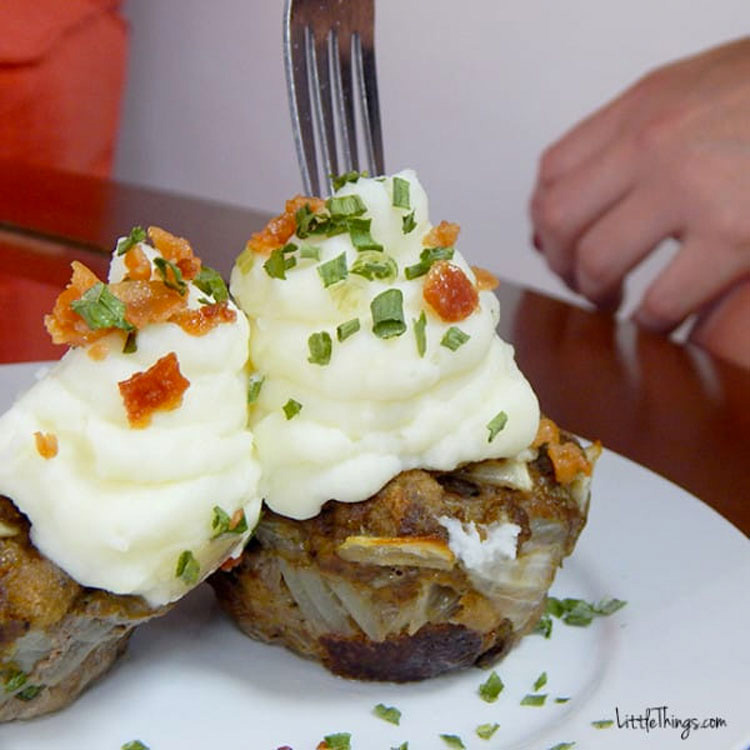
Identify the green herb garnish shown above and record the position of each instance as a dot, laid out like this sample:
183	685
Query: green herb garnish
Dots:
333	270
408	223
402	746
210	282
579	612
562	699
349	328
491	688
340	741
359	231
564	746
101	309
543	626
541	681
320	347
136	235
388	314
221	523
485	731
278	263
387	713
134	745
453	740
174	281
310	251
255	383
187	568
454	338
427	258
340	206
401	193
292	408
131	343
338	181
29	693
602	723
534	699
420	326
496	424
14	680
373	264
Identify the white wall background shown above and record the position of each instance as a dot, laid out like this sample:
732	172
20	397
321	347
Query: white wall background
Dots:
471	92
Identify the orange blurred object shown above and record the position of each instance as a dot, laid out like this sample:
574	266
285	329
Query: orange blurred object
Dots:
62	74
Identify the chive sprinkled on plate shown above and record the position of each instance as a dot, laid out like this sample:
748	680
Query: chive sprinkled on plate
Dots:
187	568
602	723
485	731
320	346
134	745
388	314
454	338
563	746
534	699
387	713
543	626
540	682
402	746
401	193
491	688
346	329
579	612
496	424
562	699
333	270
291	408
420	327
338	741
101	309
453	740
255	383
136	235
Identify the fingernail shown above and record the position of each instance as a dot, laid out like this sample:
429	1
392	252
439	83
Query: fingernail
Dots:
536	241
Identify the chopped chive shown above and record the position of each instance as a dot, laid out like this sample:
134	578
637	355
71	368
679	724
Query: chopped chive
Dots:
562	699
131	343
402	746
388	314
420	326
408	223
134	745
485	731
101	309
14	680
209	281
359	231
534	699
373	265
310	251
29	693
320	347
496	424
491	688
136	235
427	258
255	383
338	181
175	281
387	713
540	682
292	408
339	741
187	568
579	612
345	206
609	606
278	263
543	626
564	746
333	270
454	338
453	740
602	723
223	523
401	193
349	328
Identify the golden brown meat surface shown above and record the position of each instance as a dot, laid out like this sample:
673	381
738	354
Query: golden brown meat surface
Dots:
374	590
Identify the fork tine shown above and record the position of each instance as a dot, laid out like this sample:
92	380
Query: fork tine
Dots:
322	98
343	91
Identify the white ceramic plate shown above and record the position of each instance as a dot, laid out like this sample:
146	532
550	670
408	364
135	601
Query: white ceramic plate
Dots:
679	651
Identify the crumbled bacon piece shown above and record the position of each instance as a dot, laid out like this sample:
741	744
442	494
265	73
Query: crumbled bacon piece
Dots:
486	280
448	290
205	318
160	388
46	444
568	458
278	231
137	264
148	301
63	324
175	249
444	234
230	563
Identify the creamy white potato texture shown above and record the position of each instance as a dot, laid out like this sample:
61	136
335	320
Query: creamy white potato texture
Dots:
118	507
341	424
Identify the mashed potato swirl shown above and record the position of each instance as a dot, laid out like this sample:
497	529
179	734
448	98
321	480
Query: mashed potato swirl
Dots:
339	415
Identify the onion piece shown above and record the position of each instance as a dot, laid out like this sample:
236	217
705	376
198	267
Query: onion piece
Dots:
421	552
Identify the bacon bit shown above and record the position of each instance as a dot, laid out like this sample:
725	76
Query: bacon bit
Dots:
444	234
159	388
175	249
99	351
204	319
148	301
66	326
449	292
46	444
231	563
486	280
138	264
189	267
278	231
568	459
236	519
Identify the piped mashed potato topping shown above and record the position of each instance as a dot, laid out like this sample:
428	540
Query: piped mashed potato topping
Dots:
374	348
131	457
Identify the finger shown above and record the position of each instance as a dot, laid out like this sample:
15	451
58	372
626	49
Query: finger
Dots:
696	276
724	327
562	211
618	241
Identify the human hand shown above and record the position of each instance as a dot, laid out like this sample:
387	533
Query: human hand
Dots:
670	157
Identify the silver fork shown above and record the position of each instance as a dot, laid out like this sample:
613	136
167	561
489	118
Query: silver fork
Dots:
327	45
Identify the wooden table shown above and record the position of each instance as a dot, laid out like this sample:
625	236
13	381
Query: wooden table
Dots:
671	408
